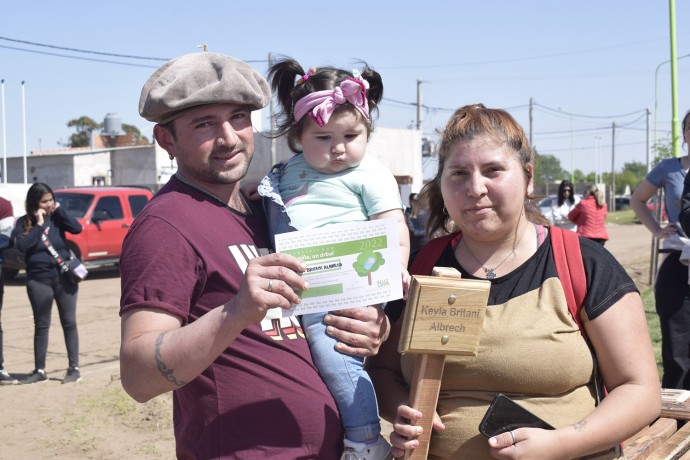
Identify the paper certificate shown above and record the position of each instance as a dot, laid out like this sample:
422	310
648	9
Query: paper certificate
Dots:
348	265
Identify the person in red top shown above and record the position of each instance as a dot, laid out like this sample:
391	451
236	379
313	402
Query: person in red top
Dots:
590	215
6	226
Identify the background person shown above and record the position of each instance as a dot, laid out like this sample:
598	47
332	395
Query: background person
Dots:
565	202
197	295
531	348
590	215
417	217
671	290
6	226
327	117
45	280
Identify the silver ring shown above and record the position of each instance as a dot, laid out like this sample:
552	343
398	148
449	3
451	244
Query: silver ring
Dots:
513	436
220	141
270	285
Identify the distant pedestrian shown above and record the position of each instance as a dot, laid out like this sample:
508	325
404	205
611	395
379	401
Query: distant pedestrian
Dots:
417	218
38	234
6	226
565	202
590	215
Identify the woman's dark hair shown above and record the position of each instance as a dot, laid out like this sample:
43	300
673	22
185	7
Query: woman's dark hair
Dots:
282	76
566	184
467	123
33	198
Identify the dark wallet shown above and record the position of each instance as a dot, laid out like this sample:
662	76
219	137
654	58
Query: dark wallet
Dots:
504	414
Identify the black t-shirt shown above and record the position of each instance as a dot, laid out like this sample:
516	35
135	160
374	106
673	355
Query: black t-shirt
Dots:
607	280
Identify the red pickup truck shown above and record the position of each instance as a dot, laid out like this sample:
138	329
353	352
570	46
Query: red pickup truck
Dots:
105	213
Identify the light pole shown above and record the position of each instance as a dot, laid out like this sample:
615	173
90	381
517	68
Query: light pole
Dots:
572	170
597	173
656	86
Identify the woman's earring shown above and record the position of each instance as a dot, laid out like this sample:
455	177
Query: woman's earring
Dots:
171	161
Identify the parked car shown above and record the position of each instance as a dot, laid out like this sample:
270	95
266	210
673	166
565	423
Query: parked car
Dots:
105	213
622	202
545	205
652	206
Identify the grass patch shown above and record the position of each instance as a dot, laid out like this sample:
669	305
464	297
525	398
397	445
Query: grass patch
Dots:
114	402
653	325
626	216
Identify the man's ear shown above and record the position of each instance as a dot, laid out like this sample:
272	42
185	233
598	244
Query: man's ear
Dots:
165	139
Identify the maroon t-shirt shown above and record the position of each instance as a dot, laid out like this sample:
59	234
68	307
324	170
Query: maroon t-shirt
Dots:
262	398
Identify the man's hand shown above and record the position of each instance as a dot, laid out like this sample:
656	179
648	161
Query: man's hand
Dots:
360	331
270	281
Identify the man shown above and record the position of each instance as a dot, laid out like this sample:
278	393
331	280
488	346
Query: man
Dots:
195	292
6	226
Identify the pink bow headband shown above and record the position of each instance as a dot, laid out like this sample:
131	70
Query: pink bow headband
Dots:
321	104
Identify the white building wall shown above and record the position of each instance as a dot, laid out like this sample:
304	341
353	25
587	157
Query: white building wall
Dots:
135	166
88	166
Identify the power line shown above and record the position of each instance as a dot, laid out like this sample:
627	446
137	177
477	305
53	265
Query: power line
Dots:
80	58
128	56
563	112
100	53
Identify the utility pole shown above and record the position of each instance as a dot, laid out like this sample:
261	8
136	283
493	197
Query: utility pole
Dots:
612	206
675	136
24	131
531	102
419	105
649	146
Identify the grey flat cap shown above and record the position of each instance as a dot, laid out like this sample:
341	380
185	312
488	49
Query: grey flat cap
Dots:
188	82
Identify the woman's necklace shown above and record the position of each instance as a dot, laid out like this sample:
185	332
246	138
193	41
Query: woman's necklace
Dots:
491	272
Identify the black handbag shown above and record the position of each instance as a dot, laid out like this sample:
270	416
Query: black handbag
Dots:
73	268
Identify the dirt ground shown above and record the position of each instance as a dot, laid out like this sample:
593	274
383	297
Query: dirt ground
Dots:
94	418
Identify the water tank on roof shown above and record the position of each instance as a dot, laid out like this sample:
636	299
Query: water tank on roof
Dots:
112	125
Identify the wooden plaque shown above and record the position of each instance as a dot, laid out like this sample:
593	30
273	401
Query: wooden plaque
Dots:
444	315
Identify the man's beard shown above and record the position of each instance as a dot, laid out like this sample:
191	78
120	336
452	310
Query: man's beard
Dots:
232	174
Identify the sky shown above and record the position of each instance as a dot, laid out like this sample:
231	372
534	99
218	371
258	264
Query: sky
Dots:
585	65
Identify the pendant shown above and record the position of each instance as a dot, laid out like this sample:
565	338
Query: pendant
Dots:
489	273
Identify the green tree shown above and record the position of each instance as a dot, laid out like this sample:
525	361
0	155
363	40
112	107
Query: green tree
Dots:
632	174
662	150
547	168
84	126
137	133
579	176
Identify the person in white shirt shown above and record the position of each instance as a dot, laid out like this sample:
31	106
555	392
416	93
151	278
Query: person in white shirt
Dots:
565	202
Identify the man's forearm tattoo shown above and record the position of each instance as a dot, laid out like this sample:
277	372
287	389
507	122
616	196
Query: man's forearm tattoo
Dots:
168	374
580	426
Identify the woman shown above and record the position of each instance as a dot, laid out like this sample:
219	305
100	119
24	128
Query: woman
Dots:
590	215
565	202
42	228
671	291
531	348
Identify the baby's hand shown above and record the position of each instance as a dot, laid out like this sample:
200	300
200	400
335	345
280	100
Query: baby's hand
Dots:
250	191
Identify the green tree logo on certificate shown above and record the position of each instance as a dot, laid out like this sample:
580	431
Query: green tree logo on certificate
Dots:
367	262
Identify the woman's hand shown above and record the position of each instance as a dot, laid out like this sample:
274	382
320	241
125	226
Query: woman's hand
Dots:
665	232
360	331
526	444
404	435
40	215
